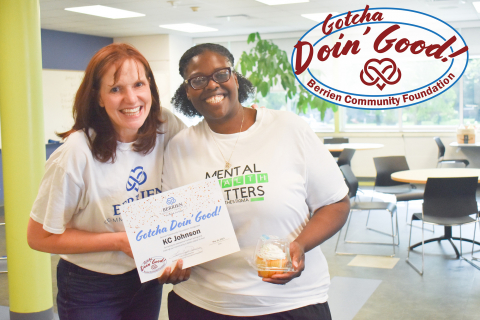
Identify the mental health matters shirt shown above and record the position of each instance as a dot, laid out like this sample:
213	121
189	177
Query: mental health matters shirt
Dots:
281	174
80	192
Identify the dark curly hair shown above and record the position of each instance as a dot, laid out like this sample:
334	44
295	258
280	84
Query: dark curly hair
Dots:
180	100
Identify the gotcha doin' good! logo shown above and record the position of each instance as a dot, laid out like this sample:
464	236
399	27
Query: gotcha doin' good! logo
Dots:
379	58
152	265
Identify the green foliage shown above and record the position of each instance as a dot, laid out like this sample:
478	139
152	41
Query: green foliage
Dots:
473	70
438	110
266	65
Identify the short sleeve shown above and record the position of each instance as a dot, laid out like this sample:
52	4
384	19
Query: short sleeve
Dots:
172	124
58	199
324	180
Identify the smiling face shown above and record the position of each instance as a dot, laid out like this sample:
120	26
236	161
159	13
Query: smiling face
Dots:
217	102
127	101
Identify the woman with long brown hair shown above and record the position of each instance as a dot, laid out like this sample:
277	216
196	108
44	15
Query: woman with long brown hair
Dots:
112	155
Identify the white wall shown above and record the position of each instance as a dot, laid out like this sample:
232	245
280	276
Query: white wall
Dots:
178	45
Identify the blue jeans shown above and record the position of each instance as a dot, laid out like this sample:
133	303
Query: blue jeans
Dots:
85	294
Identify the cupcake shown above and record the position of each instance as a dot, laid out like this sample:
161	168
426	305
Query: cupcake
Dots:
270	260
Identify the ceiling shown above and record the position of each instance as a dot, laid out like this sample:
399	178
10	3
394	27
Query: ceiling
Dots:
230	17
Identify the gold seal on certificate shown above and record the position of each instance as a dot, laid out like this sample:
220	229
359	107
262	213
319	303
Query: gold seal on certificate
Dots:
190	223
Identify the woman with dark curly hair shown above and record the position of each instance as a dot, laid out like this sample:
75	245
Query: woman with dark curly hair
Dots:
277	179
112	155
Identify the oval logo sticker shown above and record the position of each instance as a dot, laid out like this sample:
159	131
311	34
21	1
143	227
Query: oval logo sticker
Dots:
152	265
379	58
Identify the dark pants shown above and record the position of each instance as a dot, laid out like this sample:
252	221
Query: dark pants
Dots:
85	294
180	309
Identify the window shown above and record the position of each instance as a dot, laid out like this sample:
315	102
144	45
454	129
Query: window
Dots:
471	92
370	120
461	103
441	112
276	100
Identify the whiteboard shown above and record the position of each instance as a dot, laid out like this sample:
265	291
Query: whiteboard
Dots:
59	89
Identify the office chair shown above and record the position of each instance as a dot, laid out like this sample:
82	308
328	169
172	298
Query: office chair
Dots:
51	147
448	202
330	140
345	157
473	243
385	166
352	184
441	154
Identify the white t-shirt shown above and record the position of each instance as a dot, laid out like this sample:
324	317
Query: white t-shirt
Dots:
79	192
281	173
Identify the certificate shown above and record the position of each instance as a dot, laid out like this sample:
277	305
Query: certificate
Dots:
190	223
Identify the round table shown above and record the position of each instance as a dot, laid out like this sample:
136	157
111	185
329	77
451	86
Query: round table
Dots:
468	145
338	147
421	175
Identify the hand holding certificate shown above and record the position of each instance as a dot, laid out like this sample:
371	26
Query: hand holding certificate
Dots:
190	223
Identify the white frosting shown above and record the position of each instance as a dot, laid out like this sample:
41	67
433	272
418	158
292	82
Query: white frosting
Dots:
271	252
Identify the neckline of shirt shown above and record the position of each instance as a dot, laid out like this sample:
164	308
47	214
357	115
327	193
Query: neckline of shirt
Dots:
125	146
231	136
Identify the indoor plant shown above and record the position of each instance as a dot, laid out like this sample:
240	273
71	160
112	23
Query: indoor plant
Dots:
266	65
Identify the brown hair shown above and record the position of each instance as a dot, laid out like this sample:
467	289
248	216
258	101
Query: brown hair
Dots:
88	114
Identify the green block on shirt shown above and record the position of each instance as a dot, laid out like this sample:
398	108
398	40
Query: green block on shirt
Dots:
250	179
238	181
262	177
227	183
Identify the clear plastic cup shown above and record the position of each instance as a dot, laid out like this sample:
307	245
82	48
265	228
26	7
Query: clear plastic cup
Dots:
272	256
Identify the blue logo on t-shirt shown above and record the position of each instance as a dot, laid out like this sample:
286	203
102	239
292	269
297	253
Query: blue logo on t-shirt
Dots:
137	178
171	200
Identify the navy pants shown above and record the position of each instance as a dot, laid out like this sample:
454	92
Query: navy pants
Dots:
180	309
85	294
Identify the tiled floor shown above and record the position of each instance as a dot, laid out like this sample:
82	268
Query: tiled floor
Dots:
449	289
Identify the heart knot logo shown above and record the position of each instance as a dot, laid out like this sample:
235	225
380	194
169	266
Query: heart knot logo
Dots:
382	75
